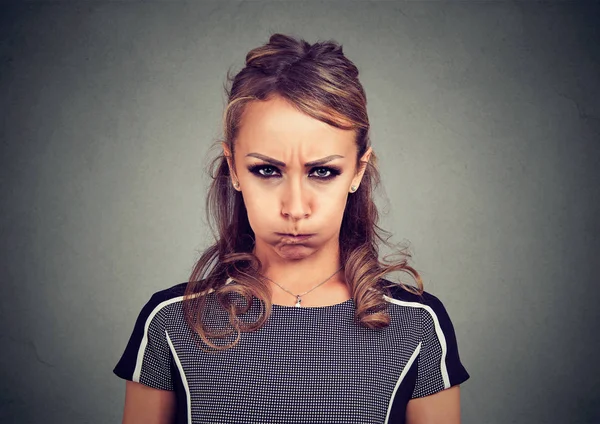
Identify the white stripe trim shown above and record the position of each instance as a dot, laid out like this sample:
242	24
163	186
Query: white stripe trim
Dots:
402	375
140	357
183	379
144	343
438	331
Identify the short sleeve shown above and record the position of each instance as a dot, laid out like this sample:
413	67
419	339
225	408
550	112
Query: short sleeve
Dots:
147	358
438	363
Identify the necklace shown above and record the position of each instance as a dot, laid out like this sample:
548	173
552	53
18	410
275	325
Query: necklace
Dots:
299	296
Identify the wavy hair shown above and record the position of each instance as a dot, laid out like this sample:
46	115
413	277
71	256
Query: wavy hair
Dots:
321	82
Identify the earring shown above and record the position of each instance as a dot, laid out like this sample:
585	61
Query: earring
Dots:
353	189
236	184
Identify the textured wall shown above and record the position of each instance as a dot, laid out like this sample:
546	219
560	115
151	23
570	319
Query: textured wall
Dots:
486	119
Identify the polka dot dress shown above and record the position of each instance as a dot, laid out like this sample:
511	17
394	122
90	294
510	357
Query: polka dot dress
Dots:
305	365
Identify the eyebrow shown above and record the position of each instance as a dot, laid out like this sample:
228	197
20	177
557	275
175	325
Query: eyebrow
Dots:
276	162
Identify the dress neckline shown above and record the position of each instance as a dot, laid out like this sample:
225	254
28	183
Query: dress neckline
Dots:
291	307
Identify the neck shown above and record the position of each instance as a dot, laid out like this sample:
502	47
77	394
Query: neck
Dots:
301	275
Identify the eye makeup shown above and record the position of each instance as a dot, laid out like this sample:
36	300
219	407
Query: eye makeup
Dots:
267	171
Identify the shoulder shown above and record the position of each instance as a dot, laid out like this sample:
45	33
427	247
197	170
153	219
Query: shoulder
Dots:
439	366
161	299
429	306
146	358
402	297
173	292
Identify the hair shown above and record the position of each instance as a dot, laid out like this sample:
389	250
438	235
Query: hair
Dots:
322	83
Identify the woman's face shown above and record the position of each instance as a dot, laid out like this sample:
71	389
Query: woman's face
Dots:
295	174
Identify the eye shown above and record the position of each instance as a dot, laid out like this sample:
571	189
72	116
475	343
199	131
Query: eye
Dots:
321	173
264	171
324	173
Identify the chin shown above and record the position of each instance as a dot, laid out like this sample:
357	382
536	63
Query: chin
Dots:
294	252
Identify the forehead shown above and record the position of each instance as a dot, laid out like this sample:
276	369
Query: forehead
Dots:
275	126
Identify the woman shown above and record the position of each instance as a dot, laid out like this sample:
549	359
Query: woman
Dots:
287	317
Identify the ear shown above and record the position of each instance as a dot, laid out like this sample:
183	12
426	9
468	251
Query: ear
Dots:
229	158
361	170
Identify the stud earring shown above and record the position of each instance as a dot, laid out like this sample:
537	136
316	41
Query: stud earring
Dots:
236	184
353	189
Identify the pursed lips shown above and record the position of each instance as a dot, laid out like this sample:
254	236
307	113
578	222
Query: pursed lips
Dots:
296	237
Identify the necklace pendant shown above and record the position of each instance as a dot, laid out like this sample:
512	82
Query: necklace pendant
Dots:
298	300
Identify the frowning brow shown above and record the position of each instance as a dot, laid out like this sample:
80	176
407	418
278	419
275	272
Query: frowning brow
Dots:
280	164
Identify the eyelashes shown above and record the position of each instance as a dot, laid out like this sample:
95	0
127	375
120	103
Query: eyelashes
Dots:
321	173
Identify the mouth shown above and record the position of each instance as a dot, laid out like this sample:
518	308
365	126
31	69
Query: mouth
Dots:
296	237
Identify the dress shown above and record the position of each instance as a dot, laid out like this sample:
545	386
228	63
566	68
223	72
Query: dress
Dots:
305	365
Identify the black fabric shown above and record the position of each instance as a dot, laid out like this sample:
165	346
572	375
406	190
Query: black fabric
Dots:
306	365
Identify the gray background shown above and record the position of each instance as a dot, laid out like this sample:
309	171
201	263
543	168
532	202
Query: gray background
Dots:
486	119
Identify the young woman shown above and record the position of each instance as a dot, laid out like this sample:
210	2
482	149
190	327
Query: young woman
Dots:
288	318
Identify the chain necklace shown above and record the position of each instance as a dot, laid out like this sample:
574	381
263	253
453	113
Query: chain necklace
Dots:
298	296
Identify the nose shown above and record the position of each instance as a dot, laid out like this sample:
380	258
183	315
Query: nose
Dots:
295	202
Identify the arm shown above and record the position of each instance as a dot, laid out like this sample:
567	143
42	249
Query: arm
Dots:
147	366
147	405
442	407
